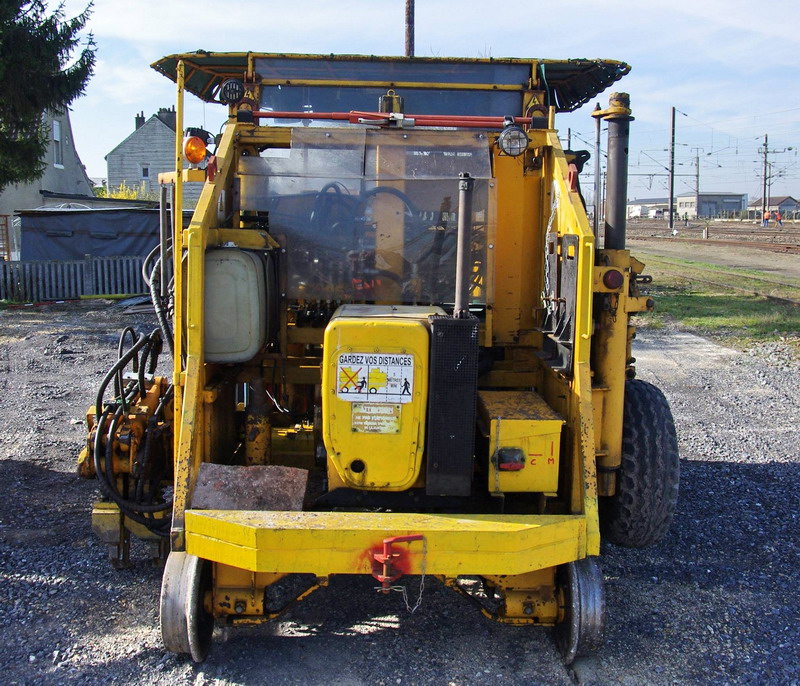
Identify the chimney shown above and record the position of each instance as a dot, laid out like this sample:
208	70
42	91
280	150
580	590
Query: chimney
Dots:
167	115
140	120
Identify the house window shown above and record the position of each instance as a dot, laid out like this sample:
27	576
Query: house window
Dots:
144	180
58	149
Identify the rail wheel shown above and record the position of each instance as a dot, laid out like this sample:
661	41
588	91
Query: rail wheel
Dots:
640	512
186	626
582	615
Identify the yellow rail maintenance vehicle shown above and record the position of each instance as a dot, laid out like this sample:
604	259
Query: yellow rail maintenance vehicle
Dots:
398	348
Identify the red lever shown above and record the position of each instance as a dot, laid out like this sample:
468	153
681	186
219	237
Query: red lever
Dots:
388	573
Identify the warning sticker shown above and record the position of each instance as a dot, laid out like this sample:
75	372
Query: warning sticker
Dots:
377	378
375	418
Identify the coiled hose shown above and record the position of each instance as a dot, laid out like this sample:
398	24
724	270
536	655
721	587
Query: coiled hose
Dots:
142	356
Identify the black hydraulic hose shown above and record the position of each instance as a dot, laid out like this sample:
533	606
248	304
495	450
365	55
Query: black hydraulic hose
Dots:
109	469
153	431
145	461
149	358
134	509
158	306
119	365
128	507
155	353
134	361
140	371
146	268
120	347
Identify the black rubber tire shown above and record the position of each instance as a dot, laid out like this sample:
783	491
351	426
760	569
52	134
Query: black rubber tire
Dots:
640	512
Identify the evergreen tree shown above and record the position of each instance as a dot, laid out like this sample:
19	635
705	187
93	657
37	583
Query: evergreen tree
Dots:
37	73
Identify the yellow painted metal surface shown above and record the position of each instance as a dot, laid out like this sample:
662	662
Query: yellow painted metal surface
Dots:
517	249
187	175
194	426
609	363
572	397
374	390
522	420
325	543
247	239
107	522
380	445
528	598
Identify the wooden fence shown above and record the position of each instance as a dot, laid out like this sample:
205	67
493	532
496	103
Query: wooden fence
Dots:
35	281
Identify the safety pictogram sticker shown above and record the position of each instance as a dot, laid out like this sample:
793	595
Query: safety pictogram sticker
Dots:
375	378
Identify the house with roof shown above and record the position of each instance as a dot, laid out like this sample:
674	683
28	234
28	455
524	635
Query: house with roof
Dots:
711	205
785	204
146	152
64	180
648	208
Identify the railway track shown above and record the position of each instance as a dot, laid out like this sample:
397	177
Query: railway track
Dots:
763	245
784	234
757	285
786	239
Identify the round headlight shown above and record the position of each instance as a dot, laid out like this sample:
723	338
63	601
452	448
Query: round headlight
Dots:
231	91
513	140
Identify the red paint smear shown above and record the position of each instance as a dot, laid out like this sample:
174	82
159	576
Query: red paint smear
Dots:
400	564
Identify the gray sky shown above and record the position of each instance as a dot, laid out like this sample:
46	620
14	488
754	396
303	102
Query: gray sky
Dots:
730	68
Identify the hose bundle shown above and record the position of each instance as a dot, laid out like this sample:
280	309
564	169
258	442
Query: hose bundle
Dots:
143	499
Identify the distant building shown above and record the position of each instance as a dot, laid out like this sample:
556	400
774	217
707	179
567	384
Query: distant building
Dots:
786	204
64	180
148	151
648	208
712	206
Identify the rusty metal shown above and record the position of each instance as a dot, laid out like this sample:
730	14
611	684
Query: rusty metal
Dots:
260	487
409	28
258	432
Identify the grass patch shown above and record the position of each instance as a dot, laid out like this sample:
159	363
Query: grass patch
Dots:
736	279
716	311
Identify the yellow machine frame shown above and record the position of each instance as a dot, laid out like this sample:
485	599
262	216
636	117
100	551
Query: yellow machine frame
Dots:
533	196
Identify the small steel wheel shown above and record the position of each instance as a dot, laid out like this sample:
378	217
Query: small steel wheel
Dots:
582	616
186	626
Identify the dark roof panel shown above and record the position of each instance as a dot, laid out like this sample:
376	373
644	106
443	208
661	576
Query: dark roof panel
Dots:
568	83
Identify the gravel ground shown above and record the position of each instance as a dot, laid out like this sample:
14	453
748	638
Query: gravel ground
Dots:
716	602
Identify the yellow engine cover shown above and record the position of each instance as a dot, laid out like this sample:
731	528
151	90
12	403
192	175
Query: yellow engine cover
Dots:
374	395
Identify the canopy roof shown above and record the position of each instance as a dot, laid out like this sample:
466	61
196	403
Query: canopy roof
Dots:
568	83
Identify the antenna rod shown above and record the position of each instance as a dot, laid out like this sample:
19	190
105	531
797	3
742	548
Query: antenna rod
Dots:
463	246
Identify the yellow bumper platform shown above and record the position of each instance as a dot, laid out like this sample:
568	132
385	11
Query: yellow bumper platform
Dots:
324	543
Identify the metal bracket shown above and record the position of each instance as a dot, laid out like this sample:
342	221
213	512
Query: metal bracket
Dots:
561	263
385	570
